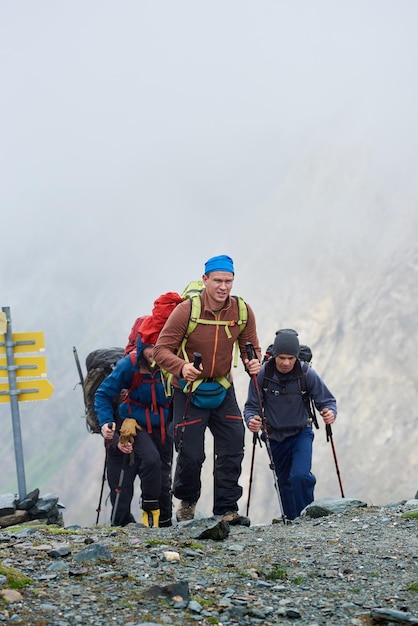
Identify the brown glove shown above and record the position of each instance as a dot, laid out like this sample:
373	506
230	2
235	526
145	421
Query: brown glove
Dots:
128	431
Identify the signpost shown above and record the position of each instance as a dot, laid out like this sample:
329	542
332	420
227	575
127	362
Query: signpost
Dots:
25	366
28	390
32	383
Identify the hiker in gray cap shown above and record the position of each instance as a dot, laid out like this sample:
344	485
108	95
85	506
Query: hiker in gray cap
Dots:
288	422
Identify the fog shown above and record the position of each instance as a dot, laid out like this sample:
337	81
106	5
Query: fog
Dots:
140	138
144	135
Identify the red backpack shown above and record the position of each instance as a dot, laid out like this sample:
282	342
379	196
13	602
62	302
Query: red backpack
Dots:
150	326
133	335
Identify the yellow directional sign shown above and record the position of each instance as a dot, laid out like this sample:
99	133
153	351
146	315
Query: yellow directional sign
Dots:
27	366
25	342
30	390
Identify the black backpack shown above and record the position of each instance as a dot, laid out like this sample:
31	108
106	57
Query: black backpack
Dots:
305	358
99	363
305	353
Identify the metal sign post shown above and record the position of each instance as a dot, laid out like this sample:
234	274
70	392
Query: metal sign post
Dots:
14	405
16	391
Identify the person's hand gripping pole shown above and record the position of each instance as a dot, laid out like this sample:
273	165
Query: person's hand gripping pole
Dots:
250	350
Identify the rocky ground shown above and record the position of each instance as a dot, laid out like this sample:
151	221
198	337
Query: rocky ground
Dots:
355	566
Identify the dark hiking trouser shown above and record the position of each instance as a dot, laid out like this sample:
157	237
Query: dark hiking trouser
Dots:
154	468
152	463
293	461
227	428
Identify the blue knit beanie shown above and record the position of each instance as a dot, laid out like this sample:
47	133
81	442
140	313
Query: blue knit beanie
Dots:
221	263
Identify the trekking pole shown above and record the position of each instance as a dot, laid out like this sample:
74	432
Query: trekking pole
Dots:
118	489
256	439
328	430
196	362
99	506
250	350
77	362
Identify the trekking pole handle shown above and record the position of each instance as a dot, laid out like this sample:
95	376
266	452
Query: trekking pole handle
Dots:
197	359
250	350
328	431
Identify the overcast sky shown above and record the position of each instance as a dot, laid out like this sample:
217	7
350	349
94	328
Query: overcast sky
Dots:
140	138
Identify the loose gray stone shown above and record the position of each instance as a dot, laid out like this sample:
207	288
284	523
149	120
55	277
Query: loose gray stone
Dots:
44	505
218	532
328	506
7	504
412	504
194	606
29	501
400	617
93	552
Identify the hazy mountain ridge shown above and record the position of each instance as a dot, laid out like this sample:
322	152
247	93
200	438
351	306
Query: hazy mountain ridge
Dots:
363	347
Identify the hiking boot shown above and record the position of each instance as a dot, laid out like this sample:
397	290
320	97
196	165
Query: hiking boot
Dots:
165	523
185	511
235	519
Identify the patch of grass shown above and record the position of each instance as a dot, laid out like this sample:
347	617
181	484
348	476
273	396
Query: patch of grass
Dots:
277	572
54	529
16	580
58	530
298	580
155	542
412	587
243	573
19	527
410	514
204	601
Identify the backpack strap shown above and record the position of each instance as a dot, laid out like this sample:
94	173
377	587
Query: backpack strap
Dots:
195	319
307	400
268	374
137	380
137	377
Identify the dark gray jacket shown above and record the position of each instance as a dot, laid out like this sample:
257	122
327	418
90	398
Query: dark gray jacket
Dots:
284	409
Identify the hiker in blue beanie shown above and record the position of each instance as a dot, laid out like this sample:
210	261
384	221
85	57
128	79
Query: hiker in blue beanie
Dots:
204	394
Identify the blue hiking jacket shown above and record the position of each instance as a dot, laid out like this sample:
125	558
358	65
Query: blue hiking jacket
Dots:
146	402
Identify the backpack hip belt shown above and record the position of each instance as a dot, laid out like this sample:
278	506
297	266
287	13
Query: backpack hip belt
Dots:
222	380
